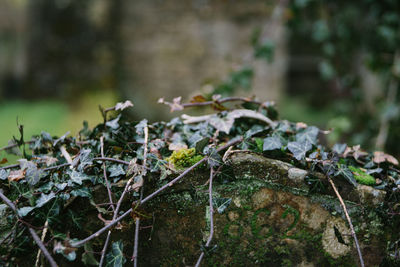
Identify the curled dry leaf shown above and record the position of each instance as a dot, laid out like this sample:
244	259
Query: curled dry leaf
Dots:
175	105
123	105
380	157
16	175
301	125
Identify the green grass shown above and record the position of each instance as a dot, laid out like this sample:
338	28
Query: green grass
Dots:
54	117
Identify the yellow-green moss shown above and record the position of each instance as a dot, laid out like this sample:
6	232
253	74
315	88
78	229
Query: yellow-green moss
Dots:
361	176
184	158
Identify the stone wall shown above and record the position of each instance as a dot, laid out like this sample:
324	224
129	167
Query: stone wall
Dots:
273	219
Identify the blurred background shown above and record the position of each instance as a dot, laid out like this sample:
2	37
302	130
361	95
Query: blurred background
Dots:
334	64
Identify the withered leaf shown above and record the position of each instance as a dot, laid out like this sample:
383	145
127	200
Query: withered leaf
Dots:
16	175
380	157
123	105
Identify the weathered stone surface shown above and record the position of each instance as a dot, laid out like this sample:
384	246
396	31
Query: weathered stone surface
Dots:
272	220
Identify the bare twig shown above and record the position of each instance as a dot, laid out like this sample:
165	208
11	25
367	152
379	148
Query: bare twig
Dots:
65	154
137	221
14	145
223	100
353	233
152	195
10	166
33	233
211	217
105	173
136	242
113	160
116	210
45	228
103	251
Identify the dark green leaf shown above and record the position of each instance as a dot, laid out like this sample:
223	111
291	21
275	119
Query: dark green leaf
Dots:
24	211
88	257
272	143
201	144
298	149
214	159
77	177
85	159
344	172
115	258
309	134
81	192
116	170
44	199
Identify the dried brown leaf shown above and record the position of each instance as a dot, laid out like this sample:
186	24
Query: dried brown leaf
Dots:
123	105
16	175
380	157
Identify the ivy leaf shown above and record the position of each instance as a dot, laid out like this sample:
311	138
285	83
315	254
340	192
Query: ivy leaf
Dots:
214	159
115	258
343	171
221	124
339	148
140	127
81	192
309	134
116	170
201	144
113	124
3	174
44	199
24	211
33	175
299	149
221	204
272	143
78	177
85	159
88	257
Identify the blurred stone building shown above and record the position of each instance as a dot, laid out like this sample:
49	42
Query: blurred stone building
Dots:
145	49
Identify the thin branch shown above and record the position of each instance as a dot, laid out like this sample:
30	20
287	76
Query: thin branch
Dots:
136	242
211	217
105	173
103	251
113	160
353	233
152	195
10	166
33	233
45	228
14	145
56	167
223	100
137	221
116	210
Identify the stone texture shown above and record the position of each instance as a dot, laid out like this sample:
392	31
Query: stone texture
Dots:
272	220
